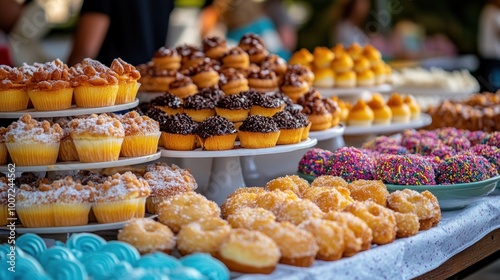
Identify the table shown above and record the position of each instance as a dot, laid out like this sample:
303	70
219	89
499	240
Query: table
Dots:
462	238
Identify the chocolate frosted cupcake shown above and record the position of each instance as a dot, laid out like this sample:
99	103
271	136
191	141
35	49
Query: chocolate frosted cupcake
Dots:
291	128
213	94
203	74
236	58
235	107
166	59
169	103
232	81
263	80
179	133
293	86
183	86
190	55
156	114
289	105
275	63
304	121
216	133
333	107
214	47
266	105
199	107
258	132
254	46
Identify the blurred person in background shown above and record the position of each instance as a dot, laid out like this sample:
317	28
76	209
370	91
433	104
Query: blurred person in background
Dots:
130	29
266	18
489	45
350	18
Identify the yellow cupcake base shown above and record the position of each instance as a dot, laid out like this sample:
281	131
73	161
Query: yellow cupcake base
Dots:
30	154
218	142
13	100
67	151
170	111
96	96
99	149
49	100
127	91
237	115
139	145
290	136
71	214
305	132
199	115
4	154
36	215
178	142
115	211
266	112
256	140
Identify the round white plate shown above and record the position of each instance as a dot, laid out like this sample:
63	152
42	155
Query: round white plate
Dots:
73	111
437	91
237	151
329	92
328	133
74	165
92	227
147	96
388	128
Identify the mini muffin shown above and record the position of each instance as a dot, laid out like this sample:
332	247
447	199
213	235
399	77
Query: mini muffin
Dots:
339	50
49	86
258	132
216	133
254	46
323	57
293	86
249	251
381	111
97	138
342	63
33	143
365	78
355	51
266	105
360	114
234	107
166	59
319	116
183	86
361	64
179	133
35	207
343	107
198	107
302	57
213	94
414	107
127	81
345	79
275	64
95	84
214	47
379	73
236	58
141	135
4	154
372	54
262	80
146	70
67	149
333	107
304	122
232	82
190	55
401	112
324	78
304	72
119	198
160	80
290	128
203	74
13	91
166	181
169	103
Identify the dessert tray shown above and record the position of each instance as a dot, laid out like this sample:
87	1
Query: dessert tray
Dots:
454	196
91	227
329	92
75	165
422	121
73	111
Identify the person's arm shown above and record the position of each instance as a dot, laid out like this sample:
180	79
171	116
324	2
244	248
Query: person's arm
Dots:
90	33
10	11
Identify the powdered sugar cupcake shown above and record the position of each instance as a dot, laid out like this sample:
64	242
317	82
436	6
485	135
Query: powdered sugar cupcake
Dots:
141	135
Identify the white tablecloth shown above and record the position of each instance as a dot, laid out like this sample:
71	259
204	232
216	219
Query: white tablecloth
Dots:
407	258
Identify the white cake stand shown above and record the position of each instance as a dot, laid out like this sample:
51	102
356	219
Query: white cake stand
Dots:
354	92
226	175
73	111
330	139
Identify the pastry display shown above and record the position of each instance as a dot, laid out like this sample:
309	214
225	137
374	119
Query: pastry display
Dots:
178	132
258	132
235	58
198	107
30	142
147	236
127	81
141	135
13	91
234	107
293	85
274	63
254	46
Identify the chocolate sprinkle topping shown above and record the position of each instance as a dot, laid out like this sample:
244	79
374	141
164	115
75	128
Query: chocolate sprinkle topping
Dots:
198	102
215	126
181	81
285	120
213	94
186	50
301	117
179	124
291	79
163	51
168	100
251	94
267	101
228	75
262	74
280	95
251	39
234	102
156	114
212	42
258	123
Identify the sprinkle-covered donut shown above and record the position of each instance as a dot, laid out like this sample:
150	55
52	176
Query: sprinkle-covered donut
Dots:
405	170
351	164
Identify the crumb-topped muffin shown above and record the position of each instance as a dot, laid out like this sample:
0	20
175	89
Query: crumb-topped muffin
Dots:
258	132
214	47
127	81
169	103
234	107
179	132
30	142
141	135
165	181
166	59
198	107
216	133
263	80
232	81
183	86
290	128
12	89
97	138
3	148
49	86
119	198
266	105
95	84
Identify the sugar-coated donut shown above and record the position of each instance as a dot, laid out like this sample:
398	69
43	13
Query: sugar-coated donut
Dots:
405	170
328	199
380	219
247	190
235	201
184	208
329	181
251	218
293	183
358	235
249	251
204	236
351	164
273	201
147	236
298	211
313	162
329	236
424	205
407	224
373	190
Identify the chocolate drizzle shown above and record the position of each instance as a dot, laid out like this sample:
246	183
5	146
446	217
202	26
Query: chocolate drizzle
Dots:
179	124
215	126
198	102
258	123
234	102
